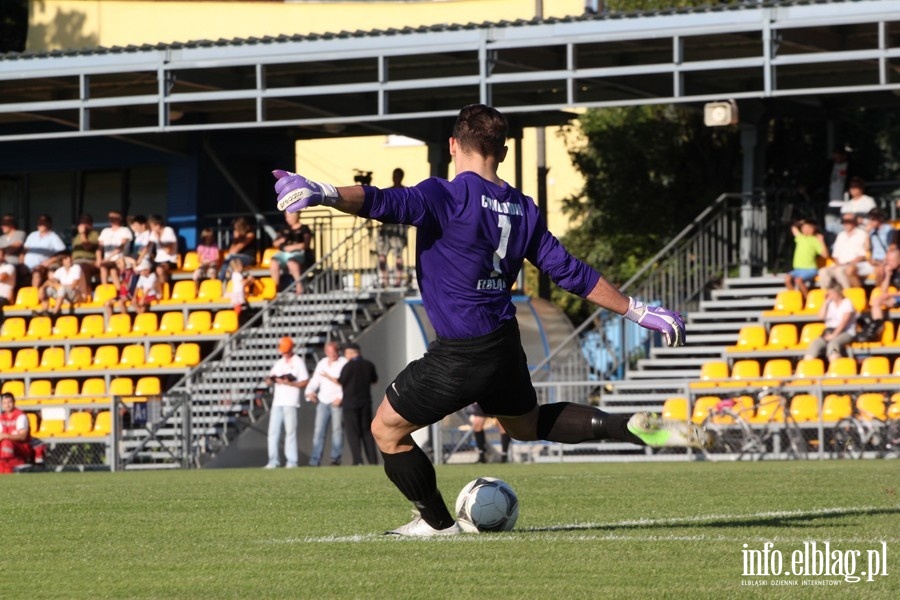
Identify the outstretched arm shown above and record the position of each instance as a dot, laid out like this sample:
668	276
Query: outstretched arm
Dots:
296	192
657	318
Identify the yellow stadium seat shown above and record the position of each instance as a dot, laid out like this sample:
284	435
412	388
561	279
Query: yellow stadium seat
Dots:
27	298
893	411
745	370
857	296
184	290
805	408
750	337
840	369
118	325
814	301
94	390
80	423
807	370
32	423
743	406
191	261
769	410
710	370
64	328
810	332
105	357
871	406
145	324
91	327
133	357
102	293
38	328
225	321
67	390
872	369
187	355
26	360
199	321
13	328
51	428
836	407
122	386
675	409
15	387
171	323
52	359
6	359
79	357
777	370
40	389
160	355
268	290
210	291
702	408
266	260
782	336
102	423
147	386
787	302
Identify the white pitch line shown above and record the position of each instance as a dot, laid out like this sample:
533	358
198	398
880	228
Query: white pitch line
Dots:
540	533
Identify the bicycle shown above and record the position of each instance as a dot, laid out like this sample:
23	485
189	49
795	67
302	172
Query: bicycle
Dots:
867	431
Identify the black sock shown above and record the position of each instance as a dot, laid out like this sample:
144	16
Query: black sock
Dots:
414	476
480	441
571	423
504	442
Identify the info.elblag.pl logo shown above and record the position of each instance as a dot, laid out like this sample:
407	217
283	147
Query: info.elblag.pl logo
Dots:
819	560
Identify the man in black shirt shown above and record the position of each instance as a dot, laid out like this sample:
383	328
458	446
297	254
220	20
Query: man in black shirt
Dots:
356	380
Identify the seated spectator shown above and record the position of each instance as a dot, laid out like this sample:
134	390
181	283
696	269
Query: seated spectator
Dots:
85	244
165	241
840	325
114	242
13	243
859	205
809	246
294	245
67	283
243	247
42	249
15	436
882	237
7	280
147	290
850	252
140	244
885	299
209	255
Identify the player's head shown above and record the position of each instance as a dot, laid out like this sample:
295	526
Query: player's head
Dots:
481	129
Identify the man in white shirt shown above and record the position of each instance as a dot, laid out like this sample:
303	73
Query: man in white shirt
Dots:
65	284
288	375
42	249
114	242
850	253
166	243
7	280
324	391
859	203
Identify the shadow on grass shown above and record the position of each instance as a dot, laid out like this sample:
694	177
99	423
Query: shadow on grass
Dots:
793	518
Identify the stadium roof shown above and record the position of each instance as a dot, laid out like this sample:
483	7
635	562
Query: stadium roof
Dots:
396	80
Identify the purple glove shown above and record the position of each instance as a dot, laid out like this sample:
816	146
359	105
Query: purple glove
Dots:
296	192
657	318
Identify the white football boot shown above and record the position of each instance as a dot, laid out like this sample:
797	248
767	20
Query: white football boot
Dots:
663	433
419	528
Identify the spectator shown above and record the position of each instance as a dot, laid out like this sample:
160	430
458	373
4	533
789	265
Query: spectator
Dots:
239	285
243	246
859	204
67	283
165	242
840	325
15	436
114	242
148	290
477	418
838	174
42	249
850	250
392	239
288	375
886	299
294	245
208	254
84	249
357	378
12	241
809	246
141	246
882	237
7	281
325	392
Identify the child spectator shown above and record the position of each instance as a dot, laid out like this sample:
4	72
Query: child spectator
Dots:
809	246
67	283
125	289
141	246
239	285
166	242
148	289
209	255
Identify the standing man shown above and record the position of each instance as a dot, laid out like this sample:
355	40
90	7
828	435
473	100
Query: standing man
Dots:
15	436
289	375
356	379
392	238
474	233
325	392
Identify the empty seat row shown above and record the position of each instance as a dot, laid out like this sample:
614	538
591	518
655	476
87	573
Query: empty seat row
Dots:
844	370
68	327
785	337
79	424
80	358
43	392
804	408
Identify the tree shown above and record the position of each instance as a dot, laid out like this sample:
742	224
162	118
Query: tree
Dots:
13	25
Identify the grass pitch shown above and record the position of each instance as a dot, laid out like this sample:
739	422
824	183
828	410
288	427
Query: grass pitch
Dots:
663	530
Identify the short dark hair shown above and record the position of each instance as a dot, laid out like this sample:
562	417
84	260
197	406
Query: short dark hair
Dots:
482	129
877	214
8	395
857	182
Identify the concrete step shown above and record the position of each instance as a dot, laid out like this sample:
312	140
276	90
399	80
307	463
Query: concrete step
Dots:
712	327
745	292
743	303
683	373
687	351
657	364
759	281
711	339
726	315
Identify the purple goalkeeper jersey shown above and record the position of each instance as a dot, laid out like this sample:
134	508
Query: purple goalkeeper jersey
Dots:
472	238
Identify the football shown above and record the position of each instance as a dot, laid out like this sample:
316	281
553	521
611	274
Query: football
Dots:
487	504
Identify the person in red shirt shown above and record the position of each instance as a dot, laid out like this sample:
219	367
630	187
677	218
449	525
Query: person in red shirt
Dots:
15	436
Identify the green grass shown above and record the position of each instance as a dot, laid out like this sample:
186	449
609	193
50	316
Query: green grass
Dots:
663	530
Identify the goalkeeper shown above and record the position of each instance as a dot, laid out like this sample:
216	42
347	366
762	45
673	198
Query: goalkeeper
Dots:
474	232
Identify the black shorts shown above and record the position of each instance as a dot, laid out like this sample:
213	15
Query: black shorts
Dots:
491	370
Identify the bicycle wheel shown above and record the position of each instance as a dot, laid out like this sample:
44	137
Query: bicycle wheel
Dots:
847	439
728	438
